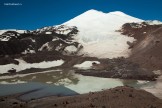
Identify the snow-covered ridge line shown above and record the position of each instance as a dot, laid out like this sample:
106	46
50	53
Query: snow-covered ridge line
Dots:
59	29
18	31
153	22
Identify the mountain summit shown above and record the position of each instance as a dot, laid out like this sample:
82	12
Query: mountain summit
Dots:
97	33
96	25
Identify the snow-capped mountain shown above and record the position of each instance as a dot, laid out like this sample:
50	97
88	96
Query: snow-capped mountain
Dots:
92	33
98	33
95	25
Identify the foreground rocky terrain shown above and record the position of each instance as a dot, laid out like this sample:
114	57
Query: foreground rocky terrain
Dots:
123	97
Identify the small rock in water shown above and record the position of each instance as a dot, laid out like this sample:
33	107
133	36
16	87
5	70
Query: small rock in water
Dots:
12	70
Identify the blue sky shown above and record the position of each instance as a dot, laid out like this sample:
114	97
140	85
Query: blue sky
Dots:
33	14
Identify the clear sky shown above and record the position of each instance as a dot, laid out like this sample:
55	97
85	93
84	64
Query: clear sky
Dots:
33	14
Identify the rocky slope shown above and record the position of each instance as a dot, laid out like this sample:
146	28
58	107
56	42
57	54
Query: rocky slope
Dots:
146	49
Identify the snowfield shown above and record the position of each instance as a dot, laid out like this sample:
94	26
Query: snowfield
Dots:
98	33
112	48
23	65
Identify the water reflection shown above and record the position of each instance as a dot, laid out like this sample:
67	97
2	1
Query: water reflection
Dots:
58	82
51	77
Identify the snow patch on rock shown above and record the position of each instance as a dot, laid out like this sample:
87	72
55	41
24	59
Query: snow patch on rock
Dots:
71	49
142	82
86	64
28	51
48	33
46	45
24	65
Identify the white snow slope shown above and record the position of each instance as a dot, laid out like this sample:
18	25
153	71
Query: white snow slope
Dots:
97	33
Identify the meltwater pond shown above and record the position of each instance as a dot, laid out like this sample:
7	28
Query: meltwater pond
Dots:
34	90
60	83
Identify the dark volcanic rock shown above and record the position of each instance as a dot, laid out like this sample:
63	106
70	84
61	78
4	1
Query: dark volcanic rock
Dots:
56	38
8	60
12	70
